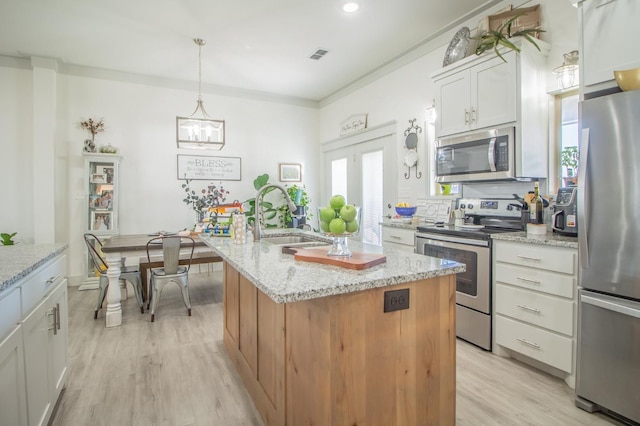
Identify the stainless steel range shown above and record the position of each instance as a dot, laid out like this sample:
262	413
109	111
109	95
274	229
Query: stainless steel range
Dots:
471	244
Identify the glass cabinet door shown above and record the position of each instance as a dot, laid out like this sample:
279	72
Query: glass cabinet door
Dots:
102	192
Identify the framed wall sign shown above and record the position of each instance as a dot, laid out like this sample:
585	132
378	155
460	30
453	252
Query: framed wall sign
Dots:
354	123
205	167
290	172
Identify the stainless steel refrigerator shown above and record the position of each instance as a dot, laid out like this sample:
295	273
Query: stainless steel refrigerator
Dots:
608	356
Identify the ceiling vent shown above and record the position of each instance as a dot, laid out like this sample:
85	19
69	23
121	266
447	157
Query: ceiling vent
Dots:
318	54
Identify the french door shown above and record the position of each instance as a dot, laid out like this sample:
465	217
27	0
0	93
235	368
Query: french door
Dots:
362	168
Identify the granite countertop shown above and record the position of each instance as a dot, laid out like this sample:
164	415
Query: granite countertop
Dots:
549	239
286	280
19	260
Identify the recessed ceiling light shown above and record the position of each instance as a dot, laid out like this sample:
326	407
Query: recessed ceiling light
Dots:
350	7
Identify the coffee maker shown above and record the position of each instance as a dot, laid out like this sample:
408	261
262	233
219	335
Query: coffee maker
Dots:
565	218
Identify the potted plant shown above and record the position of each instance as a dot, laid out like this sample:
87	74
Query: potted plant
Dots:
7	239
569	159
269	212
301	199
494	39
202	202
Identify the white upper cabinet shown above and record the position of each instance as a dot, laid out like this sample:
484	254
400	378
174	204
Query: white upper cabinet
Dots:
610	34
479	96
485	91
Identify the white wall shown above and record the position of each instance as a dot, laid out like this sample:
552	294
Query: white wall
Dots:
16	211
407	92
140	121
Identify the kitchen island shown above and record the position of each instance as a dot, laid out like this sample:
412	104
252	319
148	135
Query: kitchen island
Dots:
313	344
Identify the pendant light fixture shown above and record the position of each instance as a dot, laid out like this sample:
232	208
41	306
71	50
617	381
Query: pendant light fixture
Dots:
199	130
567	73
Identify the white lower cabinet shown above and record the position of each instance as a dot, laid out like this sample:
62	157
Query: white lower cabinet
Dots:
45	348
398	238
13	397
33	345
535	293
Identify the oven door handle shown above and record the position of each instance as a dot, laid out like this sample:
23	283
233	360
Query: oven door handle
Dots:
492	154
438	240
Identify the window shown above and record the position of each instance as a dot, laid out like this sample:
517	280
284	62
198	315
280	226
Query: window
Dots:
567	130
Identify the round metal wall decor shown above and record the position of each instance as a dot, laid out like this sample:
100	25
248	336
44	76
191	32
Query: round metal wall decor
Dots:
458	46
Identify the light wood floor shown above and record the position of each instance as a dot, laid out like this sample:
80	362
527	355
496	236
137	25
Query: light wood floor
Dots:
175	372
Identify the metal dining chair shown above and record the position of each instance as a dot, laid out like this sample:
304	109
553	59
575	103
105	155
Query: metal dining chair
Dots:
171	271
130	274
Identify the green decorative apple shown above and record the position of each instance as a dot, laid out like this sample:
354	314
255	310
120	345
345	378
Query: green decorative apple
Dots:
327	214
337	201
348	213
324	226
337	226
352	226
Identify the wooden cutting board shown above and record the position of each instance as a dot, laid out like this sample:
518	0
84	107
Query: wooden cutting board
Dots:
356	261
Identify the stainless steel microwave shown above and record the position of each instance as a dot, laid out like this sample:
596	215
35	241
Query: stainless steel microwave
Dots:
477	156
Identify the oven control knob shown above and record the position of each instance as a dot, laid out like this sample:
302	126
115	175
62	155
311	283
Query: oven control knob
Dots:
462	206
509	207
470	206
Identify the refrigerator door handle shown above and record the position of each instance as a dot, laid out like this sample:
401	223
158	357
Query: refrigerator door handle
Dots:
583	202
611	305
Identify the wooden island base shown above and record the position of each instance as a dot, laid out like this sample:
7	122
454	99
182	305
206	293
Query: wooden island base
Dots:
340	360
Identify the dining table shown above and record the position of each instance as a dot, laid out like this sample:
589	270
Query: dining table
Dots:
119	247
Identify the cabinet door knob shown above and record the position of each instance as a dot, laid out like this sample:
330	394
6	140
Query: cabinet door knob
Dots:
52	280
526	342
528	308
57	316
528	280
535	259
52	313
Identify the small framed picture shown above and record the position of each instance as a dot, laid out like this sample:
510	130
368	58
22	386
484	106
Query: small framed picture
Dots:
290	172
101	221
107	172
98	178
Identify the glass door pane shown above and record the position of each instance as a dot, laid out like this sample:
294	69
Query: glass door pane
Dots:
372	197
339	177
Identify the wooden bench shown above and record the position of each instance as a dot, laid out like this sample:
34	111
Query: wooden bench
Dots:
157	262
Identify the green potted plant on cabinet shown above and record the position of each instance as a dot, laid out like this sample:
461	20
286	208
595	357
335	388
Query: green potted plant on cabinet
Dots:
569	159
494	39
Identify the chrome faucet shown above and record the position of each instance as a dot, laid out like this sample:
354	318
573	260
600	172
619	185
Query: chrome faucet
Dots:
257	231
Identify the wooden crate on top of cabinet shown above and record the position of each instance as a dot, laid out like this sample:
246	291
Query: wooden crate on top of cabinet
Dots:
484	91
535	293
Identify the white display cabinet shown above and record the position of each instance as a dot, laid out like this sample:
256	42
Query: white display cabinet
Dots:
102	192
